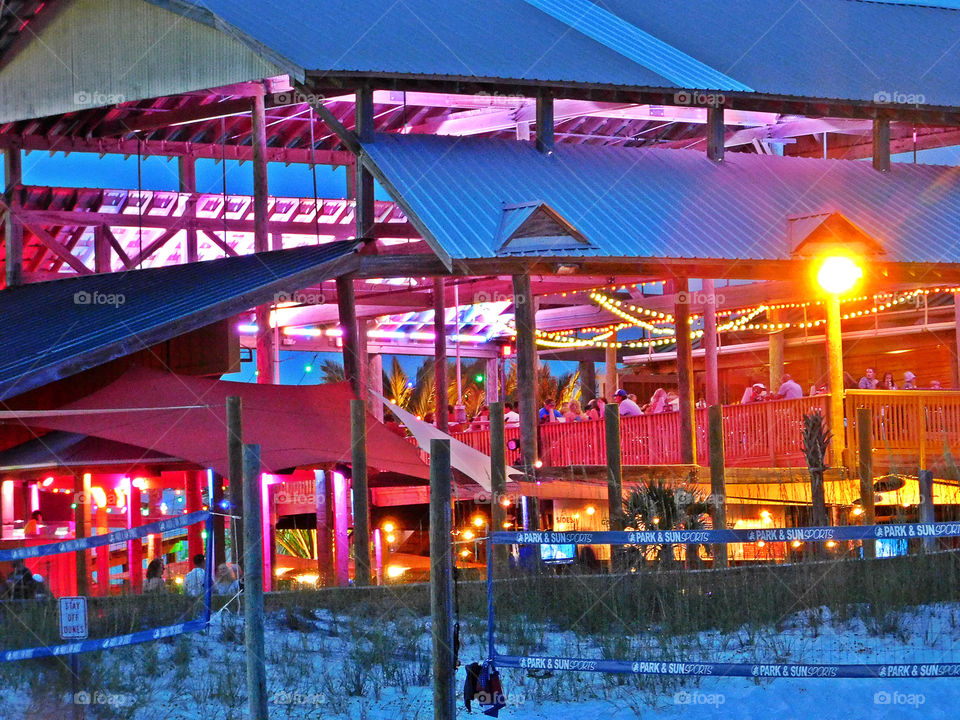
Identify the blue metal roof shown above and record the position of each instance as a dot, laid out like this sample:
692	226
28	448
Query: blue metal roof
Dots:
631	202
836	49
55	329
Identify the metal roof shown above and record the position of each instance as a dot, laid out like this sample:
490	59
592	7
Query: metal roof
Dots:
55	329
63	450
634	202
836	49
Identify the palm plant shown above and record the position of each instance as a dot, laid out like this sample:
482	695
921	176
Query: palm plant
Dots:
297	543
816	439
398	385
332	372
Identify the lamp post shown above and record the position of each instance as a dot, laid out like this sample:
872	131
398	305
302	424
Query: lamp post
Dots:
836	275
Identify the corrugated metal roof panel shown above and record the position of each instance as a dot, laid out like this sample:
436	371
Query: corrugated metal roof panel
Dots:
54	329
633	202
630	41
845	49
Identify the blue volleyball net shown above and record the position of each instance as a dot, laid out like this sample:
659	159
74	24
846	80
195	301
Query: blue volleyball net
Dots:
35	621
836	618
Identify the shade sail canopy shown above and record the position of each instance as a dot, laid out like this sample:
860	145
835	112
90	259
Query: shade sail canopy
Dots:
73	450
54	329
295	426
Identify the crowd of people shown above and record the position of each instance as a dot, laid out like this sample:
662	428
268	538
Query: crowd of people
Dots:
870	381
225	582
790	389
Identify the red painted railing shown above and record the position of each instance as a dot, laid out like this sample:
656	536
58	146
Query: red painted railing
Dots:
906	421
761	434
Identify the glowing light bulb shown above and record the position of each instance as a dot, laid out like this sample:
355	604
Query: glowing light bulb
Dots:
838	274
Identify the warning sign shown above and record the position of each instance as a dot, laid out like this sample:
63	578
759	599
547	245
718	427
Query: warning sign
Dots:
73	618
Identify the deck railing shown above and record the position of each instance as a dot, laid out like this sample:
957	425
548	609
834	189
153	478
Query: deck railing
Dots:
907	422
764	434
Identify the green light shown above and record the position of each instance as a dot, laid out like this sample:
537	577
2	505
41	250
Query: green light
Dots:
203	534
73	506
478	378
308	368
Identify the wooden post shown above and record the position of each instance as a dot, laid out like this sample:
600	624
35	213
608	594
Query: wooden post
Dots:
545	115
361	496
13	228
364	215
187	172
681	313
881	144
154	500
103	554
775	351
347	308
323	487
710	344
341	520
715	133
835	373
235	461
219	525
441	581
611	428
525	317
101	249
374	376
498	483
442	397
491	380
927	514
253	585
588	381
193	500
135	546
266	347
83	522
718	483
610	369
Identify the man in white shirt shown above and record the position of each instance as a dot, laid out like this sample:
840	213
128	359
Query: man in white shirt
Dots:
194	580
511	416
789	389
628	408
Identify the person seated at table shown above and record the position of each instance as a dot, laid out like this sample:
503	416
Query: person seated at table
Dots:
510	414
888	383
628	408
789	388
935	385
549	412
754	393
594	409
910	381
658	402
33	524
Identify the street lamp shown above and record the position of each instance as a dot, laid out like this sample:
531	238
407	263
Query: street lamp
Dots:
838	274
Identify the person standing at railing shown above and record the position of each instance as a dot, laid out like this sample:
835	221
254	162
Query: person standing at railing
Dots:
595	408
789	389
754	393
511	416
549	412
574	413
869	380
658	402
909	381
628	408
888	383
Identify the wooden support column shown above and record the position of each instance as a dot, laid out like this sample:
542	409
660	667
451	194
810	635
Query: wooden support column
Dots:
374	377
611	431
235	479
323	489
865	471
956	325
498	483
927	508
441	582
219	523
101	249
715	133
267	366
588	381
135	546
341	529
442	397
154	501
775	352
253	585
193	492
348	326
82	518
711	345
681	313
187	172
363	178
361	495
13	228
103	554
525	317
610	380
491	380
545	116
835	373
718	482
881	144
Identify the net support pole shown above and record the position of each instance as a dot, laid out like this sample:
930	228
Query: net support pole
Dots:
526	322
611	431
441	582
865	471
235	463
688	424
361	497
926	504
498	481
253	585
718	485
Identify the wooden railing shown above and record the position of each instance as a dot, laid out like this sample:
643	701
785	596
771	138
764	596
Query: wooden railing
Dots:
761	434
907	422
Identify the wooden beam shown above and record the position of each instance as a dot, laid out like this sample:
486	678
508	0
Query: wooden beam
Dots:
710	343
220	243
53	246
187	175
546	141
13	227
688	450
526	326
101	250
715	133
441	395
881	144
164	237
348	325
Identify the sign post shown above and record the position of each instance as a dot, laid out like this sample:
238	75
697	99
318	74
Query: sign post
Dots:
73	626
